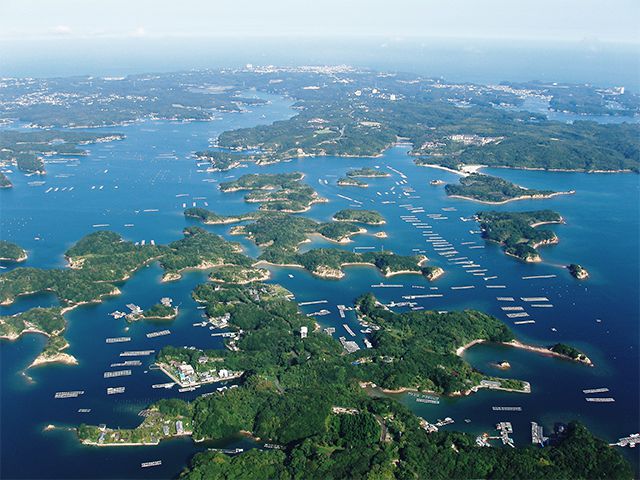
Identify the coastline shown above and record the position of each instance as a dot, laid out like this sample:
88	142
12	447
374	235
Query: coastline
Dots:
515	199
523	346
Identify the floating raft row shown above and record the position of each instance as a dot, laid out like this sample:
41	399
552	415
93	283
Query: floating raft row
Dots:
315	302
117	340
84	410
466	287
158	334
600	399
505	299
523	322
115	390
163	385
433	401
596	390
427	295
137	353
117	373
512	309
155	463
506	409
128	363
71	394
534	299
534	277
517	315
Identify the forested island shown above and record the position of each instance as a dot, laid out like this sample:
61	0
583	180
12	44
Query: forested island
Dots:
10	252
578	271
279	235
278	192
160	311
570	352
493	190
367	172
516	233
303	395
351	182
368	217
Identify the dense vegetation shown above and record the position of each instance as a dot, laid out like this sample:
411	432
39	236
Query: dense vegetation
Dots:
278	192
351	182
370	217
303	396
568	350
486	188
516	233
99	261
11	252
578	271
414	454
48	321
417	349
367	172
160	311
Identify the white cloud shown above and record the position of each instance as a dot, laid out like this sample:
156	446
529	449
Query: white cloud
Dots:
61	30
139	32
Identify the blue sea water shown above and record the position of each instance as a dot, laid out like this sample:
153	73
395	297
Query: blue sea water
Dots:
152	165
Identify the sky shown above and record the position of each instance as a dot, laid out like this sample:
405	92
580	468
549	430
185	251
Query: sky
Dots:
549	20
